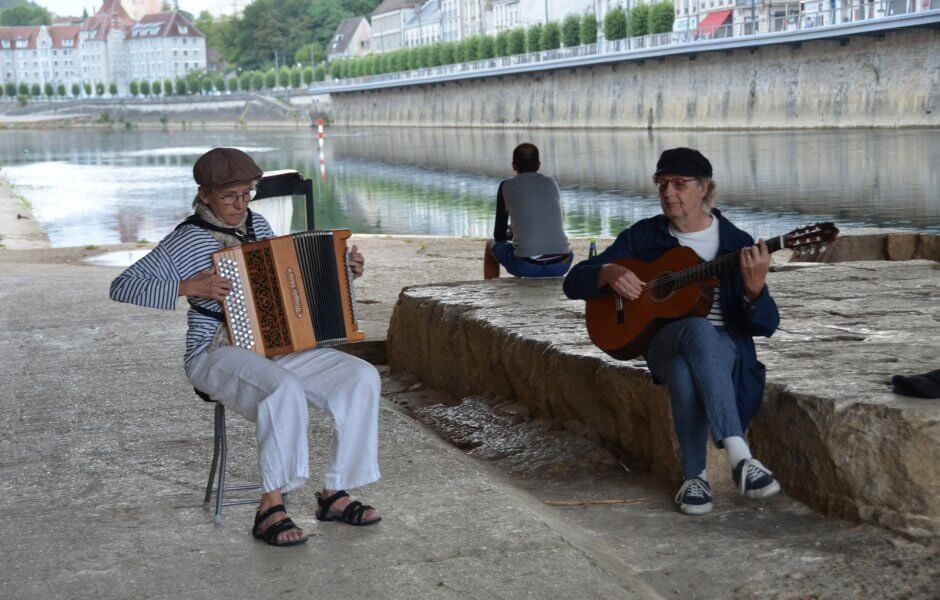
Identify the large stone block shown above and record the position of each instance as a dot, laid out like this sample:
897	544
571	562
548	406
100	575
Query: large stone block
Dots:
830	428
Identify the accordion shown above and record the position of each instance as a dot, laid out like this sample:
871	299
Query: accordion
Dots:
289	293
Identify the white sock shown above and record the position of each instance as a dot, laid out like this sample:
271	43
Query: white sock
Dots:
703	475
736	450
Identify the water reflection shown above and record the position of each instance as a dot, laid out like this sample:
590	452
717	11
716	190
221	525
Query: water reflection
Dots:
96	187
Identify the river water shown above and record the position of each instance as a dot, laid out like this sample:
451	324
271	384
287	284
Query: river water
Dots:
91	187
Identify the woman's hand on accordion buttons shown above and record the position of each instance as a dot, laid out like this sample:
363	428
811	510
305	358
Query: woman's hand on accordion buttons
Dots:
206	285
357	263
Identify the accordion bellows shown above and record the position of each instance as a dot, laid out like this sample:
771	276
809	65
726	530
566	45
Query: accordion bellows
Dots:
290	293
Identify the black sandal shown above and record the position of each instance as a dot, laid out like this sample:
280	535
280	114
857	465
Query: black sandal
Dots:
352	514
270	534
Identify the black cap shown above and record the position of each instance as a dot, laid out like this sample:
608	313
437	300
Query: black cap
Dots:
683	161
224	166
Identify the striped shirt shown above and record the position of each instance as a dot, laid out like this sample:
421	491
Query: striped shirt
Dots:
705	244
153	281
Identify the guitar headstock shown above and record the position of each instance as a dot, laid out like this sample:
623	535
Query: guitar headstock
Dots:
811	239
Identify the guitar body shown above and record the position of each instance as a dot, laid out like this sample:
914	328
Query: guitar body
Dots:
623	328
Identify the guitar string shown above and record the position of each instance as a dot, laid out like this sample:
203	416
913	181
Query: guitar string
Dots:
691	274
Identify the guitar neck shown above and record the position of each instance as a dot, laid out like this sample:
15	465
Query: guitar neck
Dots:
715	267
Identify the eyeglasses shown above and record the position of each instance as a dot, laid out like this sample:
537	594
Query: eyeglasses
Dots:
232	198
678	183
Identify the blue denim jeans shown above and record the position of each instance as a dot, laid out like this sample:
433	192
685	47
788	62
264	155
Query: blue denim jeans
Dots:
696	361
505	254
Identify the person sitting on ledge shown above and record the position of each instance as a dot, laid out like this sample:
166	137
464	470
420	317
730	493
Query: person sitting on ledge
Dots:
708	364
530	203
272	392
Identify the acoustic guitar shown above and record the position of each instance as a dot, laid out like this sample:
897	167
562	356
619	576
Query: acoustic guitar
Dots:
679	285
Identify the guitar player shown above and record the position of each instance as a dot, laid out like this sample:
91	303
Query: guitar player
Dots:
708	364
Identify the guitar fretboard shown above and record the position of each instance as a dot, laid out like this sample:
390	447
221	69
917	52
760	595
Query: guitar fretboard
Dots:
705	270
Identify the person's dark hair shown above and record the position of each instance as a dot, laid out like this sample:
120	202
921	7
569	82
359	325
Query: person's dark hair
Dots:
526	158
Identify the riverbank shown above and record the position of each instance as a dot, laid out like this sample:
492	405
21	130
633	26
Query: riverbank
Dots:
18	227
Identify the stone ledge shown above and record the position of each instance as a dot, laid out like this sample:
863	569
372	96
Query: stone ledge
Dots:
830	428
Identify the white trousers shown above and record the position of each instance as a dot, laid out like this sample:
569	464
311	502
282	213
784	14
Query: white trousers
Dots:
274	393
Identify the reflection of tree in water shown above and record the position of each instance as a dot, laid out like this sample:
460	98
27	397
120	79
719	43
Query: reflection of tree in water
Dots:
127	225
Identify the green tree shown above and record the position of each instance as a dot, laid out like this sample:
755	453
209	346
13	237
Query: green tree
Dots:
571	31
35	91
194	81
447	53
76	90
533	38
270	79
638	20
257	80
434	55
156	87
310	53
589	29
232	84
99	88
145	88
48	90
244	81
23	89
319	73
208	83
168	87
501	44
218	82
87	87
180	87
517	39
112	89
25	14
551	37
307	75
487	47
424	56
283	76
296	76
661	18
615	24
60	90
133	88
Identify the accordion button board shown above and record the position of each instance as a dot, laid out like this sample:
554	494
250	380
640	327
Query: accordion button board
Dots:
289	293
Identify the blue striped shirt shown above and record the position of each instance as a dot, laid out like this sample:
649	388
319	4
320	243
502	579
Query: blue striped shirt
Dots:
153	281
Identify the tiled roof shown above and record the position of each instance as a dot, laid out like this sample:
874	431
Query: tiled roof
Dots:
388	6
344	33
58	33
165	24
19	33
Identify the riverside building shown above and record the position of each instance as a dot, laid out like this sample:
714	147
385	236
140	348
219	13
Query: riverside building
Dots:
107	47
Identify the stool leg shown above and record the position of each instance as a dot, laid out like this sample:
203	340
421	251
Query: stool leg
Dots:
215	458
223	446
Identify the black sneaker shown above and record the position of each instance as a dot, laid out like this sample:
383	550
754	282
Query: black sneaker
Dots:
695	497
754	479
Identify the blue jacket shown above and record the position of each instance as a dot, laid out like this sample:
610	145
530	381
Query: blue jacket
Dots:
649	239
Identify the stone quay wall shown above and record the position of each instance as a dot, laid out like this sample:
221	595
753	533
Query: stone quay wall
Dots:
830	428
878	81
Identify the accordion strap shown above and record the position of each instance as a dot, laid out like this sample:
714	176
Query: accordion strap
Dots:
208	312
241	237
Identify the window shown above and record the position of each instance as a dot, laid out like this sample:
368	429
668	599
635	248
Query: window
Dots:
182	29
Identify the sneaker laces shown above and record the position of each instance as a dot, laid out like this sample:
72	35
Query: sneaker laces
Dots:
693	487
752	470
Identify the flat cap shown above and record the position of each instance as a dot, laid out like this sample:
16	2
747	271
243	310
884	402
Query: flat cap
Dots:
224	166
683	161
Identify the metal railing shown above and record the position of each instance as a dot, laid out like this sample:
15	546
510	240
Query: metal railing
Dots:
765	26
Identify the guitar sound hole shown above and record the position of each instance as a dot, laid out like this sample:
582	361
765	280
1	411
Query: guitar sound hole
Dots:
660	290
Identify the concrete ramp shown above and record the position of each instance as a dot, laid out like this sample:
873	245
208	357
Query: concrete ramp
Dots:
830	428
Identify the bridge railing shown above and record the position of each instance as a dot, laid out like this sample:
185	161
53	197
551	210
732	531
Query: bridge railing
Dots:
793	21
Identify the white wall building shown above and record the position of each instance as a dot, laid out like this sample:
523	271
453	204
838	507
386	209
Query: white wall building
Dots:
353	37
108	47
388	24
424	27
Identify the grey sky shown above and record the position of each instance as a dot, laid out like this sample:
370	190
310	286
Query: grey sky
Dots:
74	7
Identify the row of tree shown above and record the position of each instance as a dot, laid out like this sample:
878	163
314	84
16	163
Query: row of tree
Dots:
59	90
573	31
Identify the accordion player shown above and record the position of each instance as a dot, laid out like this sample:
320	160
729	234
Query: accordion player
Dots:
290	293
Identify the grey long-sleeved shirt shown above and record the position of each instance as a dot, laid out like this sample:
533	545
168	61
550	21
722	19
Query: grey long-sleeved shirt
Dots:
530	203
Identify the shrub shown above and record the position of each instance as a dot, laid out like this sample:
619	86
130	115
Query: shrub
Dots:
257	80
270	79
319	73
76	90
133	88
516	41
589	29
35	91
156	87
638	20
232	84
48	90
615	24
447	53
296	74
23	89
487	48
501	44
533	38
144	88
10	88
551	36
180	86
306	75
168	87
661	18
571	31
283	77
60	90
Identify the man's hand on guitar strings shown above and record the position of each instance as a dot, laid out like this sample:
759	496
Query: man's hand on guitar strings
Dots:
206	284
755	262
357	262
622	280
